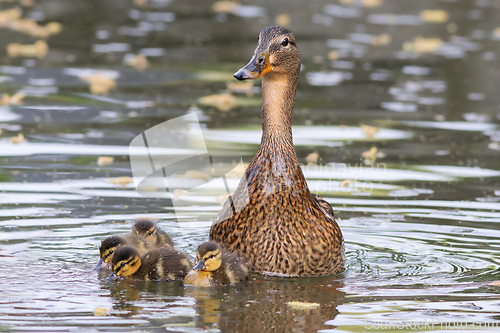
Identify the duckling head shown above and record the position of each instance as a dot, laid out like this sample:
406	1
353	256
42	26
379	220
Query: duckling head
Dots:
208	257
125	261
107	248
276	52
147	230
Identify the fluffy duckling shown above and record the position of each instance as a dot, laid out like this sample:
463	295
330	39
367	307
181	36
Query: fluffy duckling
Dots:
111	243
107	248
145	236
215	267
158	264
148	230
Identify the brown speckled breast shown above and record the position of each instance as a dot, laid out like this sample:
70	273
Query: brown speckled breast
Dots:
274	222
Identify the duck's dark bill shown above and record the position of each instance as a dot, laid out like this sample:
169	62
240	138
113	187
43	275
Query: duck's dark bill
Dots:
112	277
100	265
199	266
256	68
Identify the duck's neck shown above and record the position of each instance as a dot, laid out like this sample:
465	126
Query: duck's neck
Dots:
278	98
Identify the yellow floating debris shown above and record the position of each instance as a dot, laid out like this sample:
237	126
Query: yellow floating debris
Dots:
381	40
15	99
196	174
139	62
6	16
496	32
223	102
148	188
30	27
245	86
122	181
39	50
103	160
434	16
372	155
372	3
141	3
100	84
346	182
17	139
225	6
423	45
369	131
312	158
283	20
178	192
53	28
99	312
333	55
303	305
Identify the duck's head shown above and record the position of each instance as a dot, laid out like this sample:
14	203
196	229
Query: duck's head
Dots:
107	248
276	52
125	261
208	257
147	230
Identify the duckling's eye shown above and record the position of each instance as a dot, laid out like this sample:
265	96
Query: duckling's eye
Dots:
150	233
122	264
211	256
110	252
284	42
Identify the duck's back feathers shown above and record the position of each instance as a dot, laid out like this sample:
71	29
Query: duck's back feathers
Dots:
163	264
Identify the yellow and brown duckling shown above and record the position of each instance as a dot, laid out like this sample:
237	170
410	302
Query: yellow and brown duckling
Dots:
107	248
145	236
111	243
159	264
215	267
272	220
148	230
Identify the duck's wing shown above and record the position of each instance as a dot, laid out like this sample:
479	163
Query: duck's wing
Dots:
324	205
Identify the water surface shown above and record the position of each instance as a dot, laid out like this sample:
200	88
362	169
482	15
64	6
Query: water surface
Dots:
417	81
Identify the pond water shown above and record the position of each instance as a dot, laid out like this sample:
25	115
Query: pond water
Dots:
416	80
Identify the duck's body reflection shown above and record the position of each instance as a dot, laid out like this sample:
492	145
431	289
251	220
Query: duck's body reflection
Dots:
259	305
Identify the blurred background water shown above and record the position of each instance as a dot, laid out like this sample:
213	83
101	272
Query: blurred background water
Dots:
396	122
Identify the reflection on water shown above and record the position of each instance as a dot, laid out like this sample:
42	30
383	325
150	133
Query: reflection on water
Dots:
396	124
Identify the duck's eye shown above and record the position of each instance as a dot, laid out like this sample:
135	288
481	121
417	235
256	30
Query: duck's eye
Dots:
284	42
211	256
111	252
122	264
150	233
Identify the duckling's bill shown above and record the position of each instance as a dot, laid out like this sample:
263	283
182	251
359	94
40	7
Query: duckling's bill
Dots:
199	266
256	68
112	277
100	265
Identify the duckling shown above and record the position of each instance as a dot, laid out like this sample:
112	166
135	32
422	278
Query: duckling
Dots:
215	267
272	220
151	233
158	264
111	243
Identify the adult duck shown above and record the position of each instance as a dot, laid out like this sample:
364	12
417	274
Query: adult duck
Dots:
272	220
